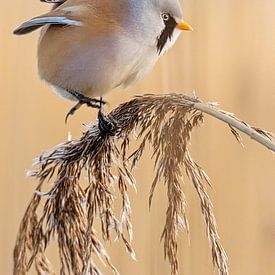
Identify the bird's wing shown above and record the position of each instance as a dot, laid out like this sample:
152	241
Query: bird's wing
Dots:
52	18
53	1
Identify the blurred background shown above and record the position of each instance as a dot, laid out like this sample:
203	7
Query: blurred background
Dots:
229	58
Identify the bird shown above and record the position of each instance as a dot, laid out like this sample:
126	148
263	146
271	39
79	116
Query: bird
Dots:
87	48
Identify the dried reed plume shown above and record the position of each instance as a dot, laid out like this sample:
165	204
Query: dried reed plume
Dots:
69	211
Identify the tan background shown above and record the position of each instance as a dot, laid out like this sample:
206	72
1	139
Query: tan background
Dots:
229	58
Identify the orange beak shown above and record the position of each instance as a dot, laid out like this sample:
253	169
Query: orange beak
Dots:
184	26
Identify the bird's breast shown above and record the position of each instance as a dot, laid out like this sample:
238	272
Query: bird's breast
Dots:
94	62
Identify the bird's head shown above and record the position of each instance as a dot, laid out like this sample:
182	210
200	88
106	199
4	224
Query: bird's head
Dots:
170	23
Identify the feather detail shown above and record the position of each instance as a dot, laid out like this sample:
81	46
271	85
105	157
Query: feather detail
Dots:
40	21
166	34
53	1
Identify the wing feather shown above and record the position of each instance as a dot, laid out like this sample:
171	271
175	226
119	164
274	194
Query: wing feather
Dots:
53	1
42	20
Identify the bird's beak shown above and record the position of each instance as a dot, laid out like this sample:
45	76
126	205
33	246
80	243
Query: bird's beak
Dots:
184	26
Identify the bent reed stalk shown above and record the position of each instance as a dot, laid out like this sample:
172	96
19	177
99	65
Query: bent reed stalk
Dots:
69	211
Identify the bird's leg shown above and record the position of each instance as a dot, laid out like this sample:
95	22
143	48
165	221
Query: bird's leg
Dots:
91	102
105	125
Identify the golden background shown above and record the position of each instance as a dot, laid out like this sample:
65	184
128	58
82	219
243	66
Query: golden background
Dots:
229	58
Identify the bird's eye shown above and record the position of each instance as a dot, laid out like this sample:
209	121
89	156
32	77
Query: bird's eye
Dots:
165	16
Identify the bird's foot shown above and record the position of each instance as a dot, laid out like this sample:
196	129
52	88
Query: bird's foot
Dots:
105	125
90	102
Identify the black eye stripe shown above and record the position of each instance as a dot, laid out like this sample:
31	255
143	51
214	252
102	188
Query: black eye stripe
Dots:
166	33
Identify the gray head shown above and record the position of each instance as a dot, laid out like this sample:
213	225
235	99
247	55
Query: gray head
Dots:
171	7
156	23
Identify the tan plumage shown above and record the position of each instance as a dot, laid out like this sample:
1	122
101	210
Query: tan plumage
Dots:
89	47
68	63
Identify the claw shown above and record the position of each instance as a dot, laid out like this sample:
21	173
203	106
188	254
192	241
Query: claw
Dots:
90	102
104	124
72	110
101	103
82	98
